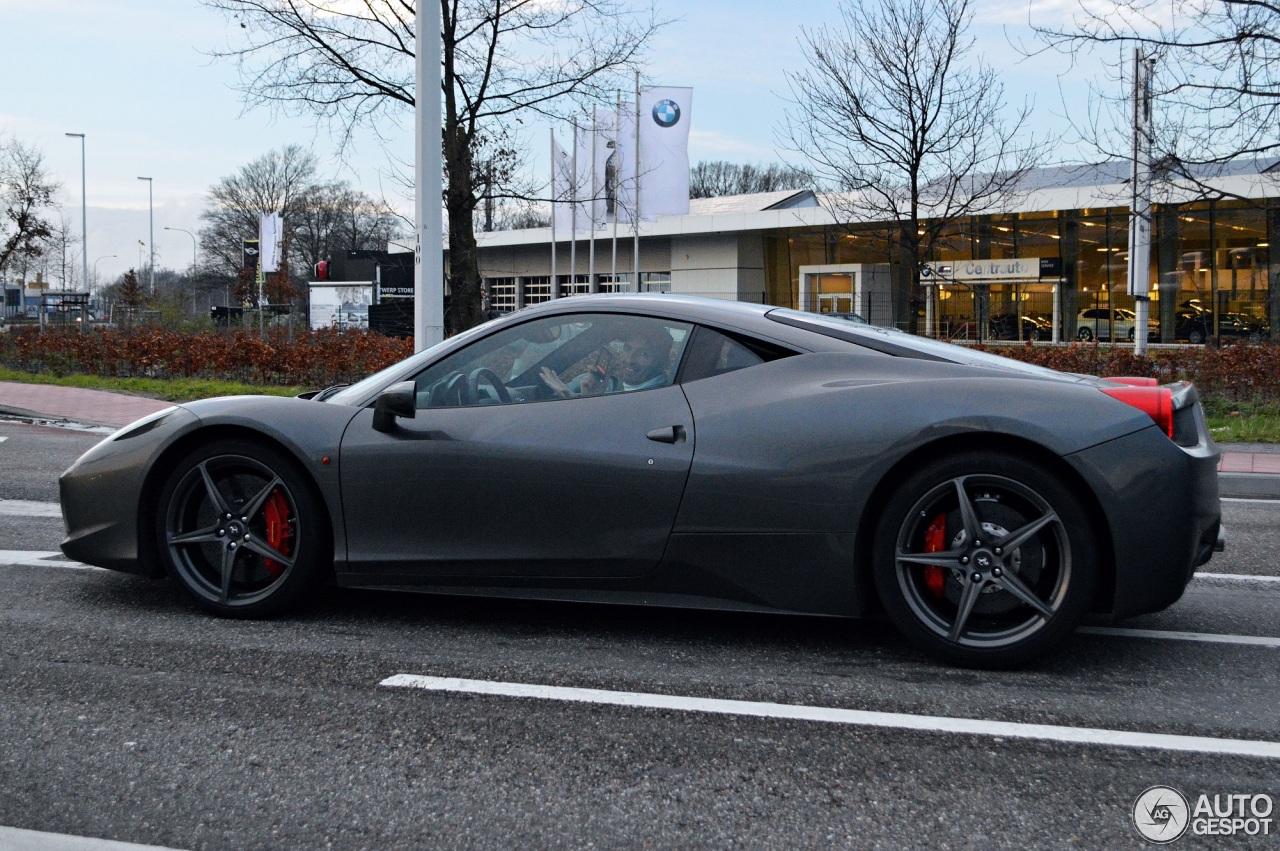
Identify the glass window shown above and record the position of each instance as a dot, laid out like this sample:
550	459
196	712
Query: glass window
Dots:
559	357
712	353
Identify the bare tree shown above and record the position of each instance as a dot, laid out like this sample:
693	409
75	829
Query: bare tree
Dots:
275	182
26	196
717	178
903	128
1216	90
332	218
352	65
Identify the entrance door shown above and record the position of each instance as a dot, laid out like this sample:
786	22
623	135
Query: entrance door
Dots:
835	303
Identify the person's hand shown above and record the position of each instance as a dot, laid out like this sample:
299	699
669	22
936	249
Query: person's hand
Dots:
558	387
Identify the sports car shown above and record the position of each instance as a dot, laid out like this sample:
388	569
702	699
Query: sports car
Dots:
675	451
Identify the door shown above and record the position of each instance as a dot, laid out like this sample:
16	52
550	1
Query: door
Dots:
540	478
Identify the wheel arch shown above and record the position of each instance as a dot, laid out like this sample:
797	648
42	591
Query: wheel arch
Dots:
1104	592
164	463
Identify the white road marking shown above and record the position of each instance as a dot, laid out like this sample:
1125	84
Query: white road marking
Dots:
40	558
29	508
1175	635
3	438
1247	499
1238	577
17	839
856	717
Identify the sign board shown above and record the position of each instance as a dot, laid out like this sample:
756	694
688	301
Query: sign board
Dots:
990	271
340	304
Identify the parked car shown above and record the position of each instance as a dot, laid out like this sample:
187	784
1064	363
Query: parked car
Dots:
1102	323
985	505
1004	326
855	318
1196	326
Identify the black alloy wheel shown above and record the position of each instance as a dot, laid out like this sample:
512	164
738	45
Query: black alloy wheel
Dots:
1084	335
240	530
984	560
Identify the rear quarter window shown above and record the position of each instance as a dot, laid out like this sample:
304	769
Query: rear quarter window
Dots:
713	353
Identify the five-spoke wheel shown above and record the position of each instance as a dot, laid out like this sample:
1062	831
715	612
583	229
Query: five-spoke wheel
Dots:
984	560
239	529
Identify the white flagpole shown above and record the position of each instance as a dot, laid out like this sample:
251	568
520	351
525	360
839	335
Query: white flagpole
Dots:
617	190
573	212
592	285
635	221
553	213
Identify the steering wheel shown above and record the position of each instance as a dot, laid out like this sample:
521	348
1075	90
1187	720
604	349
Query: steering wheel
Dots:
484	375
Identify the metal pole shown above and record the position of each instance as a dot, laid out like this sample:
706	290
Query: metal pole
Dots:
617	189
554	165
1140	202
635	221
84	214
428	287
592	286
573	214
151	233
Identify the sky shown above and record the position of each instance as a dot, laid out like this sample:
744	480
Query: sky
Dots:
136	77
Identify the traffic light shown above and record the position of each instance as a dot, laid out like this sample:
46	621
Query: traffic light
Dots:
322	270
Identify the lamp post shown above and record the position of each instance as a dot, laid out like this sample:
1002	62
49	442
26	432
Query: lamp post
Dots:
84	214
193	264
151	233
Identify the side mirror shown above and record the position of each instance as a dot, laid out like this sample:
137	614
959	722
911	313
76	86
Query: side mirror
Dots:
398	400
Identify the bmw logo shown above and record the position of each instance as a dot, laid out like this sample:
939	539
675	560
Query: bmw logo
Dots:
666	113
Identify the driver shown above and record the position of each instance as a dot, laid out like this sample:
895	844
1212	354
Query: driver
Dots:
641	364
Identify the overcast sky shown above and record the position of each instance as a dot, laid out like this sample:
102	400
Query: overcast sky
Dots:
134	75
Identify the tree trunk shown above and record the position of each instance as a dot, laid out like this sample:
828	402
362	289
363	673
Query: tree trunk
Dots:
460	205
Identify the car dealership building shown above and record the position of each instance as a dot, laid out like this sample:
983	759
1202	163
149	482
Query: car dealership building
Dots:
1054	250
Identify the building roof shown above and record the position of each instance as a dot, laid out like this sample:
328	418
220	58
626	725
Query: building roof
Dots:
785	199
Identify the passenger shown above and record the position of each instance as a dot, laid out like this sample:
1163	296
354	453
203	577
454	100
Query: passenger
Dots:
641	364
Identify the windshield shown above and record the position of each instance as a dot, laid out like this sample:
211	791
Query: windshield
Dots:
866	335
361	390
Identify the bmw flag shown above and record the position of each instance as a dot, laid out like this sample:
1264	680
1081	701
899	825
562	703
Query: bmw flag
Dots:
664	151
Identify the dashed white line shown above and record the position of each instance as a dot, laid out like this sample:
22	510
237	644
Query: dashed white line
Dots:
1238	577
17	839
29	508
1249	500
1175	635
3	438
855	717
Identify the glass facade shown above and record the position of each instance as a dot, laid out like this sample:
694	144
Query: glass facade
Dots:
1210	267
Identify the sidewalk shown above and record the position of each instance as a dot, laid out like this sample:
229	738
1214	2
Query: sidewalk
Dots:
1246	469
89	407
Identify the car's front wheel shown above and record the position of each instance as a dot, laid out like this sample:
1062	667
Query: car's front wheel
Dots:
240	529
1084	335
984	560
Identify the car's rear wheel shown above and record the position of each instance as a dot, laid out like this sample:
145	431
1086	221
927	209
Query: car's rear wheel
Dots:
240	529
1195	337
984	560
1084	335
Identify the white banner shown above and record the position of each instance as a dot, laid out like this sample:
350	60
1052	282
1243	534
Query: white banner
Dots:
617	140
567	186
270	237
664	151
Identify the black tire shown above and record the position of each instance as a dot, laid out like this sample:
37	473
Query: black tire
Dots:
1195	337
1084	335
1133	333
238	527
1020	603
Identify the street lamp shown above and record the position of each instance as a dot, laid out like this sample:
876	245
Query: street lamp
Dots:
84	214
193	264
96	262
151	232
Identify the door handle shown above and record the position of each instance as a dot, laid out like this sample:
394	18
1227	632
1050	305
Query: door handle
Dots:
670	434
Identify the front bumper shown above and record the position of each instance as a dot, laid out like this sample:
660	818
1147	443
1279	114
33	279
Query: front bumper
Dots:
102	495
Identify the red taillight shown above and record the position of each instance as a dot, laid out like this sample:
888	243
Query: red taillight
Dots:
1135	381
1155	402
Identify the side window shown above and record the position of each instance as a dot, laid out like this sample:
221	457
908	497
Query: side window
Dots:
714	353
558	357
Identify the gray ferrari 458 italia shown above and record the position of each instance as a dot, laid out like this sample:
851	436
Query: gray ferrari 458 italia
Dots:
675	451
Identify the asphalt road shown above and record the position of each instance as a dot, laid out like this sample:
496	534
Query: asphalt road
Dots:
131	716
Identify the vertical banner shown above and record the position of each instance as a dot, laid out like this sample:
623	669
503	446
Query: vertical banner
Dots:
664	151
618	142
562	187
270	237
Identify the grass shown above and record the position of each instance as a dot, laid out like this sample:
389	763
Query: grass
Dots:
168	390
1243	422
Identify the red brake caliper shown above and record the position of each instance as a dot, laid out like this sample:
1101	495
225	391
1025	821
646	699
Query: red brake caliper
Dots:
934	542
279	532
